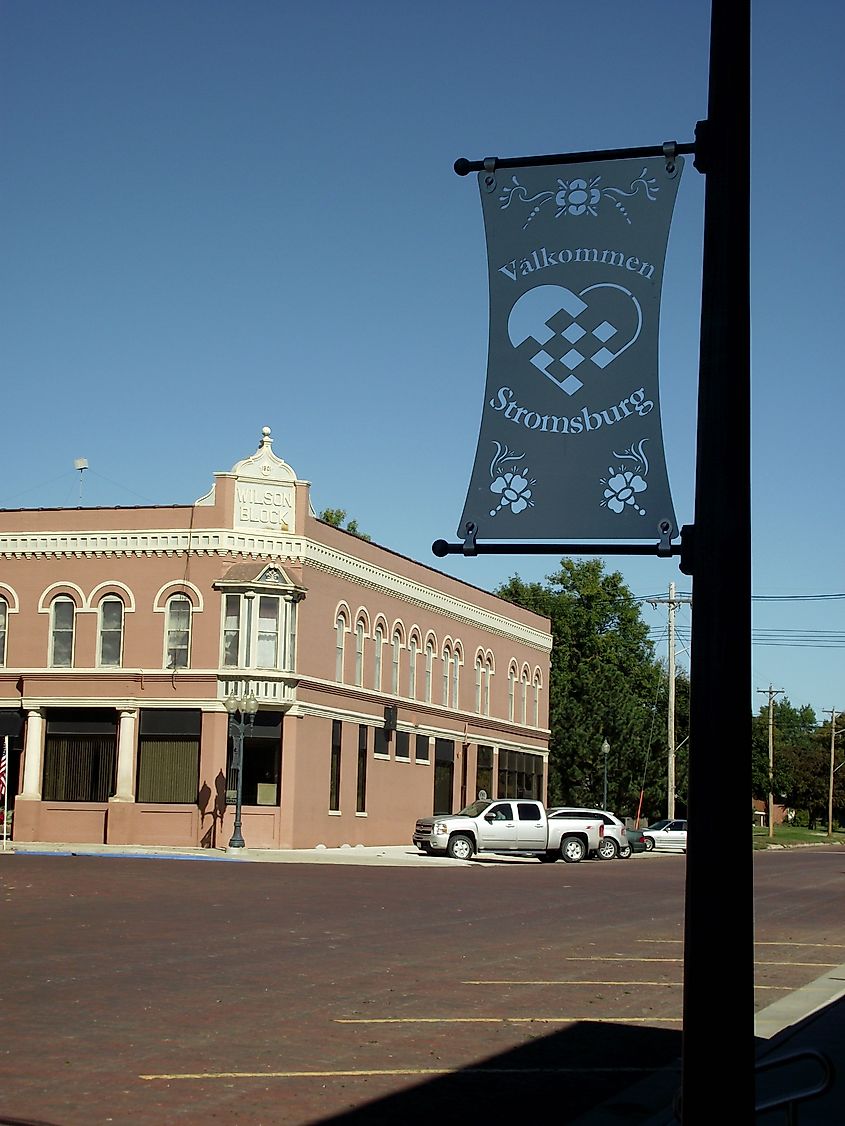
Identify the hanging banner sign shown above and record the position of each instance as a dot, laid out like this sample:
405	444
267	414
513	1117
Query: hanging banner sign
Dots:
571	444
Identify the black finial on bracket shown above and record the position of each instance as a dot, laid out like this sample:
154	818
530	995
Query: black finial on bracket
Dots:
664	546
470	547
670	151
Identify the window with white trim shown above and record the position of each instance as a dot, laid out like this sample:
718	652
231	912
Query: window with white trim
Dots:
4	619
429	670
340	644
110	642
259	631
232	631
269	635
396	656
359	653
413	650
511	692
179	610
62	620
378	642
479	683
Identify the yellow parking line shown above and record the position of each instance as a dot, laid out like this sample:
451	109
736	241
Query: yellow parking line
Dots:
757	961
822	945
759	942
395	1071
506	1020
567	981
819	965
617	958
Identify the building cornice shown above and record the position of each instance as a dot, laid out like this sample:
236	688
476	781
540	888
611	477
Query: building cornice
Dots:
283	549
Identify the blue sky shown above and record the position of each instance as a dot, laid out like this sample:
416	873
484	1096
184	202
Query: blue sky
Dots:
224	214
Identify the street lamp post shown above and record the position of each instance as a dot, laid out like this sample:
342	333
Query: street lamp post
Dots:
605	747
245	708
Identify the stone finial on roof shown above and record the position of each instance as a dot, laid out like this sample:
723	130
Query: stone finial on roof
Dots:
264	464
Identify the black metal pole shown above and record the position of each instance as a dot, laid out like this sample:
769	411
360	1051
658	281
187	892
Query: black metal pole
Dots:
463	167
237	727
718	1070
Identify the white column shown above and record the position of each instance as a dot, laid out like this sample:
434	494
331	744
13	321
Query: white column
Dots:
33	756
125	784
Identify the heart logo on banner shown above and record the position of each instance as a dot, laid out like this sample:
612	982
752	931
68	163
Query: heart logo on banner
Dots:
560	331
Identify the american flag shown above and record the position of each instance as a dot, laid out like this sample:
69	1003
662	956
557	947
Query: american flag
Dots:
3	755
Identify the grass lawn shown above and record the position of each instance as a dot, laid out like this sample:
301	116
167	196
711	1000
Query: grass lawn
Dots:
787	835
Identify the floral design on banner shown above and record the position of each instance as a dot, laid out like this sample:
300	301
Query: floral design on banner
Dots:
579	197
623	486
512	485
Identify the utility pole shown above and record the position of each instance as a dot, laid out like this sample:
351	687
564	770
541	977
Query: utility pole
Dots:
771	693
673	603
833	733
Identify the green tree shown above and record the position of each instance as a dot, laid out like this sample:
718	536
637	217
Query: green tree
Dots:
800	764
336	517
604	683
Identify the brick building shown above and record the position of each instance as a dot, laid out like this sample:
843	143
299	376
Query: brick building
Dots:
383	690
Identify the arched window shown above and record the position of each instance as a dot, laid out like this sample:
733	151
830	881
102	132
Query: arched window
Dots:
4	618
447	662
359	652
479	683
536	708
413	649
456	677
429	670
511	692
524	708
488	678
396	655
110	647
340	644
378	643
178	632
62	618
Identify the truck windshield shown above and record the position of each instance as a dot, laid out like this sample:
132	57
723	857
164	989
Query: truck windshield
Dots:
474	810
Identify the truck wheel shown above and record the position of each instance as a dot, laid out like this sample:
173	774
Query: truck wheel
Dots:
607	849
460	847
573	850
548	857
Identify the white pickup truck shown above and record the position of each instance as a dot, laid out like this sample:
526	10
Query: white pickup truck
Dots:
508	825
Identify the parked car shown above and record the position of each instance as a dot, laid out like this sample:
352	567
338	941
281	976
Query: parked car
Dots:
667	836
614	844
637	840
511	825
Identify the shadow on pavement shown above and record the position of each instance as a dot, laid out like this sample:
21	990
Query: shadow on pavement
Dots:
569	1073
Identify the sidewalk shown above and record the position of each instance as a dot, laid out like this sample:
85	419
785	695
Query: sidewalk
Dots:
392	855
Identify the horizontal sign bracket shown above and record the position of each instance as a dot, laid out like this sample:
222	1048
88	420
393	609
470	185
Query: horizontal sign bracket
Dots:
463	167
663	548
